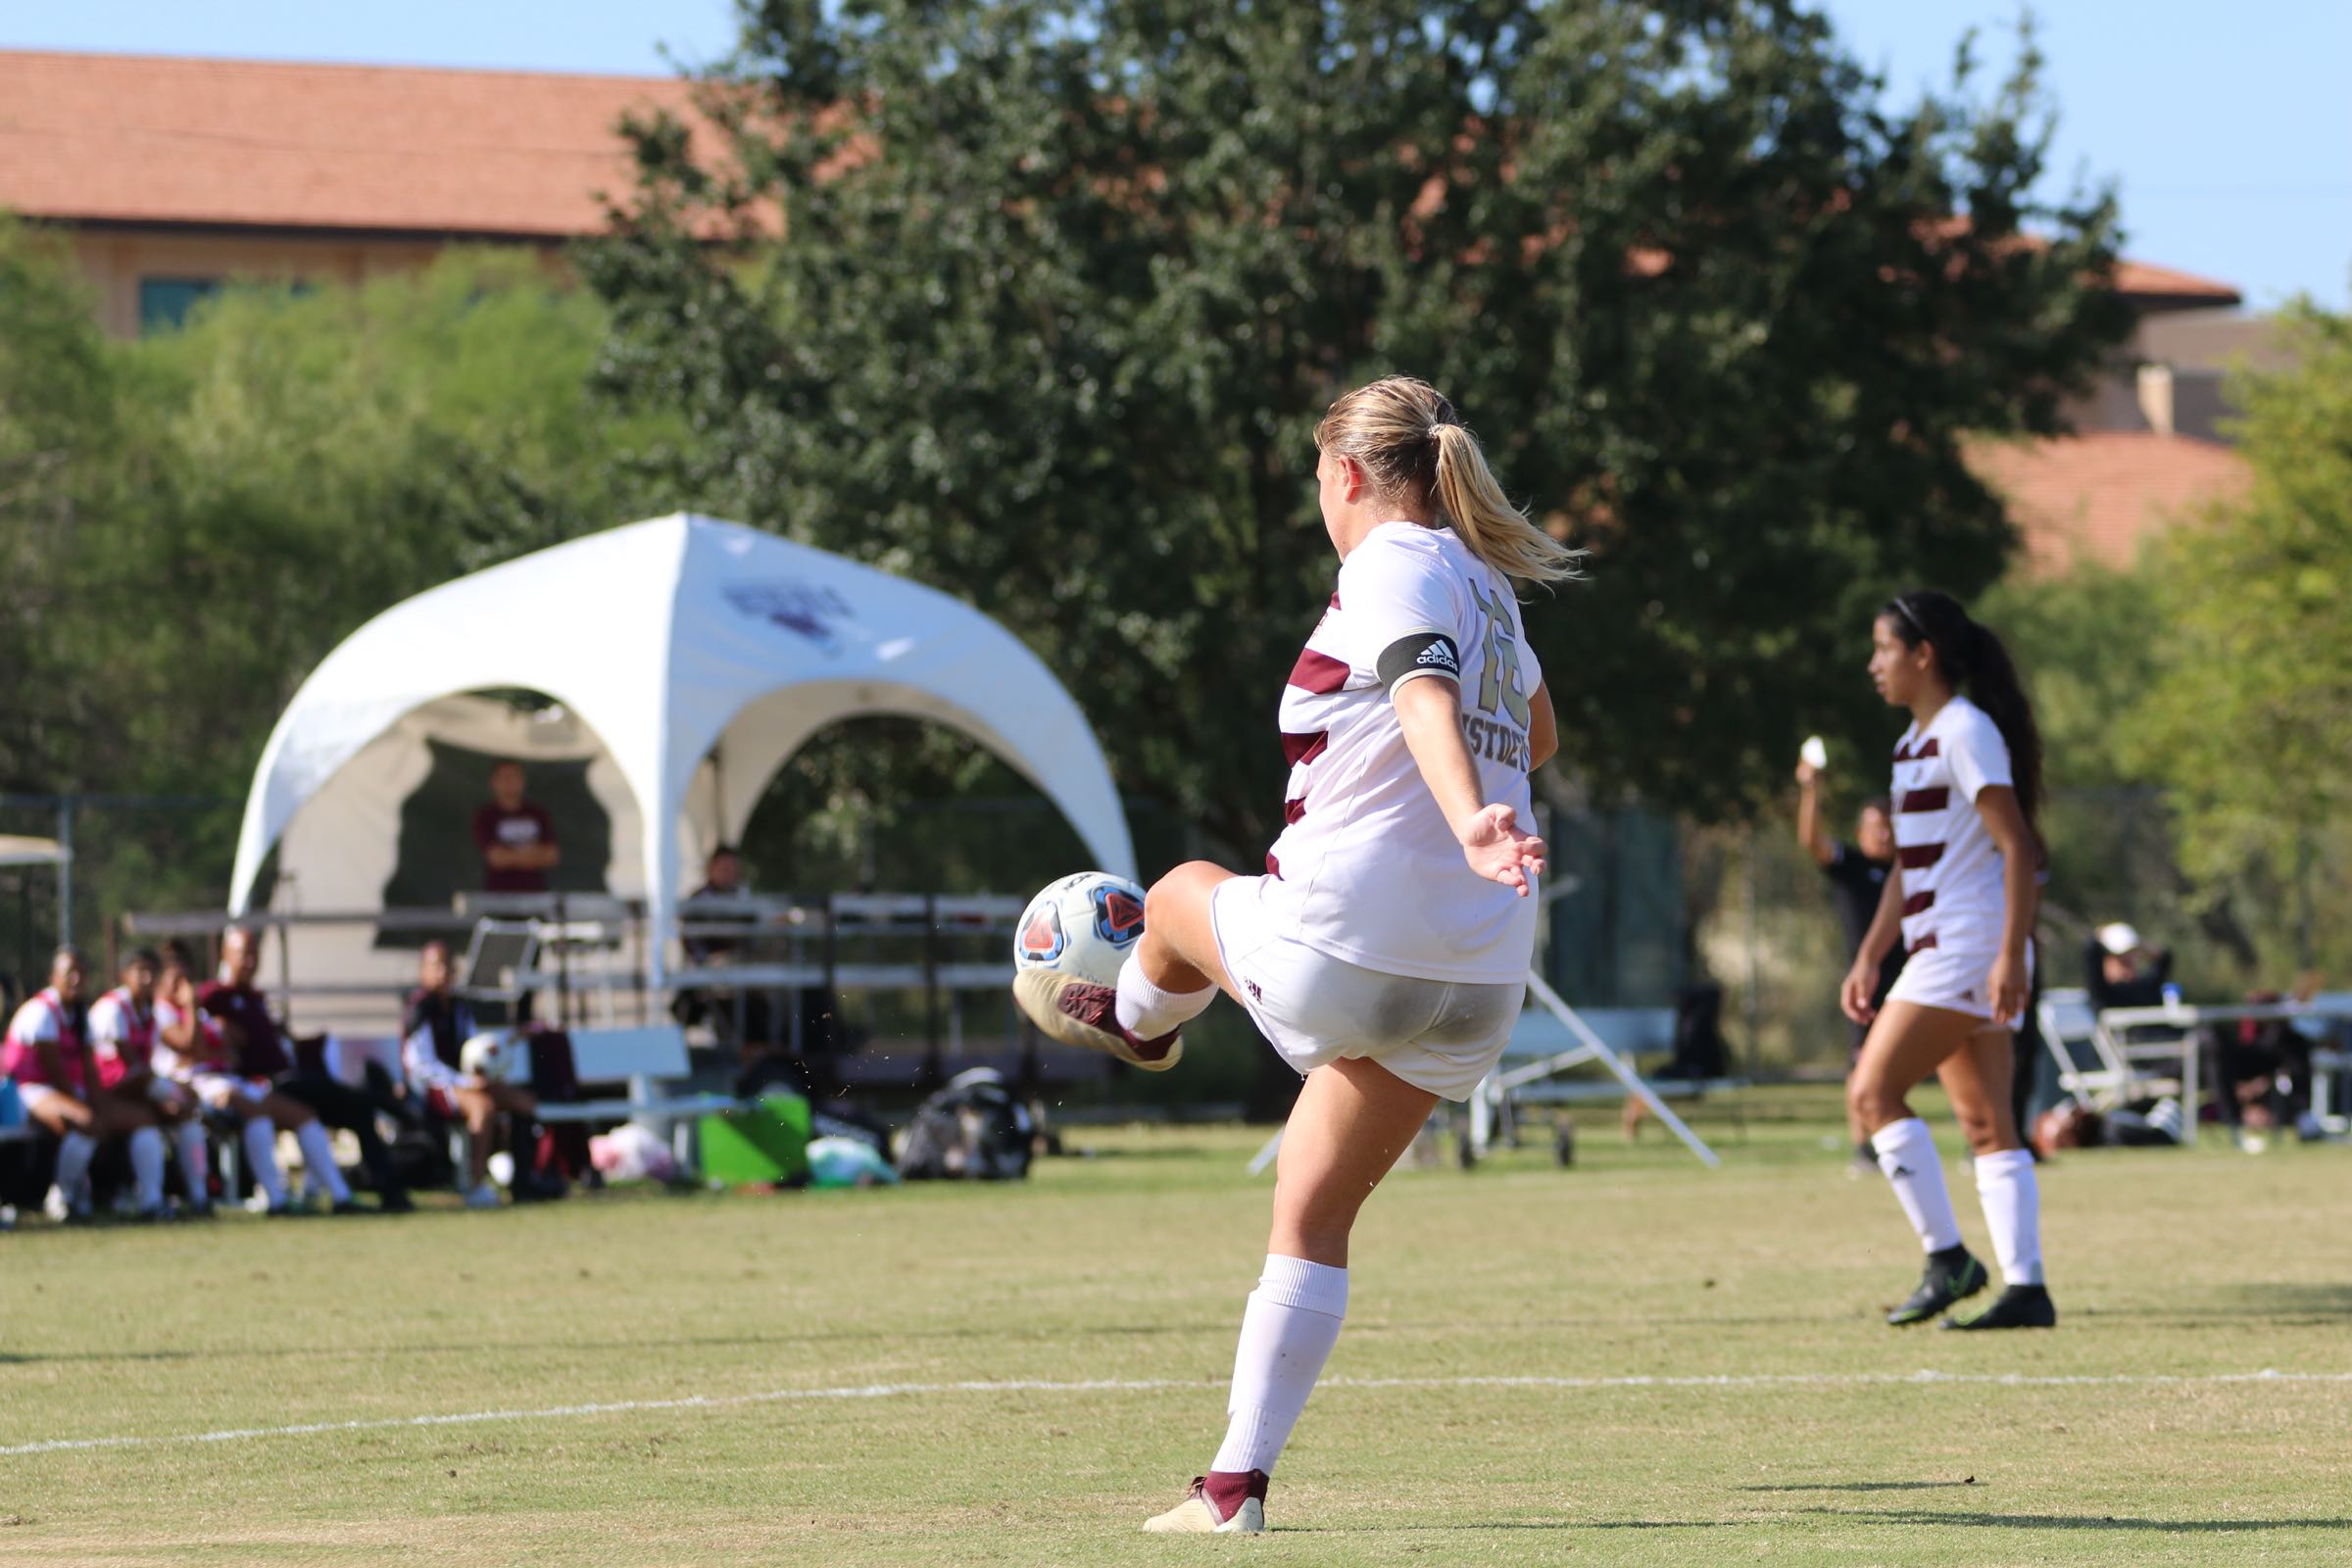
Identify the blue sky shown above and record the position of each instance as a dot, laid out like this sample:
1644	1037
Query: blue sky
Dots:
2227	126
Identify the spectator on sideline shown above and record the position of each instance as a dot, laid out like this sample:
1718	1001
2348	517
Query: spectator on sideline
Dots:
259	1054
189	1051
121	1033
1857	874
47	1052
515	835
722	884
2120	970
434	1028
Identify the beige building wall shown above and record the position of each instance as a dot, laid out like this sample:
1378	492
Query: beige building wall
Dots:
116	261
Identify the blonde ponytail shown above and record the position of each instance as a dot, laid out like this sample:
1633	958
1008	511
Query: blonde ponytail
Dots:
1496	532
1404	433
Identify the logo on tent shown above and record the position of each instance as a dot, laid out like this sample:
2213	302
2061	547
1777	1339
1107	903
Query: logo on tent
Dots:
804	610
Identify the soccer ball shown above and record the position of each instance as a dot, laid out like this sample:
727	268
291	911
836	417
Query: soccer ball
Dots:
1084	924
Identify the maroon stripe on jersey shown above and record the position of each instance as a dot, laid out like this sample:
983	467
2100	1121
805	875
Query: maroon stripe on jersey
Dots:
1273	866
1918	857
1291	812
1297	748
1923	942
1926	749
1318	672
1919	904
1935	799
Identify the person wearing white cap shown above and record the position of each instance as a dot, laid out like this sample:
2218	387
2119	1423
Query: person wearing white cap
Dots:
2120	970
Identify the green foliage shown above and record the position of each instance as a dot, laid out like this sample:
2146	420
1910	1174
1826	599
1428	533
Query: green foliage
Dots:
2252	720
1059	303
190	523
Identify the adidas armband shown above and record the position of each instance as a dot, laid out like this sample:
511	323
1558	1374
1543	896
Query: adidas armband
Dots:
1424	652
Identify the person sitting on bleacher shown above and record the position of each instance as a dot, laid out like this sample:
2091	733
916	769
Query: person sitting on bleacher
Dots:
189	1051
261	1061
122	1045
435	1029
47	1052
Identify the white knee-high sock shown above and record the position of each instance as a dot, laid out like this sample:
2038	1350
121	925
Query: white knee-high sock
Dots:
319	1167
195	1160
2012	1200
260	1160
1288	1330
147	1165
75	1152
1906	1152
1147	1011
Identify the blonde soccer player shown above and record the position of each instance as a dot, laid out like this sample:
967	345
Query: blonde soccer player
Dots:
1385	951
1961	898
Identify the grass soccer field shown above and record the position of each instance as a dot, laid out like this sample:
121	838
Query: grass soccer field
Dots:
1634	1362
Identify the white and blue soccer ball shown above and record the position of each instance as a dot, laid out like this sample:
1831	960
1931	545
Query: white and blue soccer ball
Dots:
1083	925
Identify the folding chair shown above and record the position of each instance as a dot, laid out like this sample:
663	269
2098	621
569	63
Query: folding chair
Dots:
2096	1068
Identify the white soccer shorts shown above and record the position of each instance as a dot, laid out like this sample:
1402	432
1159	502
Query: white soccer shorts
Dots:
1437	1035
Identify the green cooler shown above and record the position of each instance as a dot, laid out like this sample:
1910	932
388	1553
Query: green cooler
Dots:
765	1142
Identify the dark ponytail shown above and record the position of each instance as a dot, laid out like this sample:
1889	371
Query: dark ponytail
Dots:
1974	660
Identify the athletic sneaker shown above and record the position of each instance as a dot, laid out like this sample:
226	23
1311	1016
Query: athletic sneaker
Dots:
2018	1306
66	1211
1197	1514
482	1196
1079	1012
1952	1275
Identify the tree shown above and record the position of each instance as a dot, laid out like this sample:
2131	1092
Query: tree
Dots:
2249	723
1061	291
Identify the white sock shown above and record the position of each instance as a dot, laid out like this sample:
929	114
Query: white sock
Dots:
75	1152
147	1165
1146	1012
319	1167
260	1160
1288	1330
1906	1152
195	1161
2012	1201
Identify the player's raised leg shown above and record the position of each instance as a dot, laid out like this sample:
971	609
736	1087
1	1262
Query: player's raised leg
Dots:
1172	976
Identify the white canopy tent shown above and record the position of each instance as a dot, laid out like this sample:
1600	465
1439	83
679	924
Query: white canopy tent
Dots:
685	653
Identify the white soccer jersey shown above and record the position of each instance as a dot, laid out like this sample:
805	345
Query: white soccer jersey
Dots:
1367	870
1951	866
121	1031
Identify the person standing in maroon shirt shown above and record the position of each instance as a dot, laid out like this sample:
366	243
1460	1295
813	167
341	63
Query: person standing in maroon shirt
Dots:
517	836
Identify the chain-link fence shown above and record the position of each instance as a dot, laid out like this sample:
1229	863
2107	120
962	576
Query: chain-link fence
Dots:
127	852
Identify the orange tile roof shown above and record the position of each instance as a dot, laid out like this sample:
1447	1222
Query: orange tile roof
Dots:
2097	497
145	139
2145	281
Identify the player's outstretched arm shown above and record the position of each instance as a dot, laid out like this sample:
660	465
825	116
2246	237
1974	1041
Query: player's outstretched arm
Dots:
1430	711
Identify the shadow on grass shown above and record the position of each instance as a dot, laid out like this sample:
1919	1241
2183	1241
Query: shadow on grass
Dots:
2303	1306
2066	1521
1862	1486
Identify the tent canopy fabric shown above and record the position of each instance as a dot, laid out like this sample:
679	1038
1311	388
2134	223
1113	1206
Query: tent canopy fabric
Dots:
672	642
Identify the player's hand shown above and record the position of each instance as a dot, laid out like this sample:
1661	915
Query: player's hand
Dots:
1860	985
2006	985
1499	851
1807	775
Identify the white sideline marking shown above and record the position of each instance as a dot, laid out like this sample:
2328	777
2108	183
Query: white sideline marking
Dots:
893	1391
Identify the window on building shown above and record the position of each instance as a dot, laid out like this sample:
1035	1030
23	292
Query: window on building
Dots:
165	301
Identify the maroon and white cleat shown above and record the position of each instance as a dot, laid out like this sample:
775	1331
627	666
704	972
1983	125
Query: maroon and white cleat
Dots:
1079	1012
1219	1503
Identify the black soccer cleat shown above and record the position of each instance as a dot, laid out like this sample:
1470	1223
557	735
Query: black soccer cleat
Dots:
2018	1306
1951	1276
